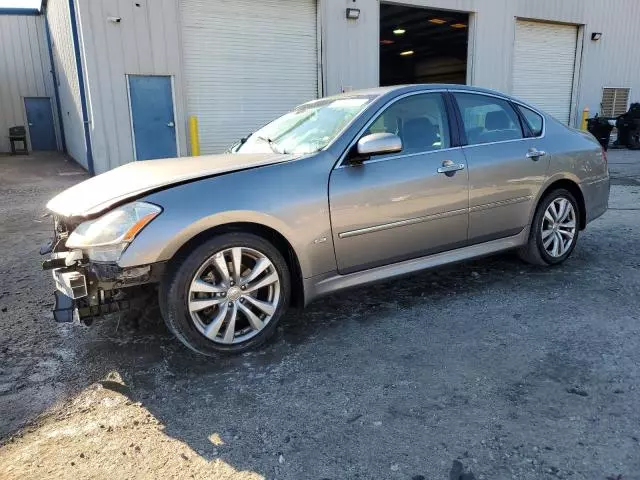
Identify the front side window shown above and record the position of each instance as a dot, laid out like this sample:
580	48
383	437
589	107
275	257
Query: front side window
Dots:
419	120
307	129
533	120
488	119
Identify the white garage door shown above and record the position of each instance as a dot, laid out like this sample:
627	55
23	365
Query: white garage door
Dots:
245	63
544	62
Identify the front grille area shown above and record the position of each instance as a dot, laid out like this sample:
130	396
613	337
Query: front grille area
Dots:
62	228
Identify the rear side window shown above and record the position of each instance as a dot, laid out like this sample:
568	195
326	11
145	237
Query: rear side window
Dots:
533	120
488	119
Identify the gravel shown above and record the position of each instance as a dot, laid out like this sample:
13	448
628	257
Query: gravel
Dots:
487	370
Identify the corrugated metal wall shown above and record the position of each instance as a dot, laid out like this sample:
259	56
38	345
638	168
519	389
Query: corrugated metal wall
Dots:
145	42
25	71
351	49
148	41
59	21
257	75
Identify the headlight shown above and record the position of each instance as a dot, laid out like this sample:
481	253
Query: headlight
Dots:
105	238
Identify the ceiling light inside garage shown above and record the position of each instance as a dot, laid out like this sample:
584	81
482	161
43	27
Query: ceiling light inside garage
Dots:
458	25
399	31
406	53
437	21
386	42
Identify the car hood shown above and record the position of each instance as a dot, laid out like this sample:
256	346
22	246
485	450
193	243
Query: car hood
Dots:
133	180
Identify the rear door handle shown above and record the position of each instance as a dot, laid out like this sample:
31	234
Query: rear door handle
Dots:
449	168
535	154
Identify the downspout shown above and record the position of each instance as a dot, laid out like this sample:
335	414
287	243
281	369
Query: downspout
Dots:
83	96
55	81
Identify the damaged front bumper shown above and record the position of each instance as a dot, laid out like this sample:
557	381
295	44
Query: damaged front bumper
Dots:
88	290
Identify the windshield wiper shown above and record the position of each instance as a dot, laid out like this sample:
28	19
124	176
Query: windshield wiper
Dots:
272	145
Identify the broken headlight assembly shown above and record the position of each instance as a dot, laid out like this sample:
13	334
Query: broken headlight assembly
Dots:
105	238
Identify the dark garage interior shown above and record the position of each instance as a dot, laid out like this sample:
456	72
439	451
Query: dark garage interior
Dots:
421	45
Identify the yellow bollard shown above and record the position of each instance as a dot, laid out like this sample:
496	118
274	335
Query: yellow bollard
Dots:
193	135
585	115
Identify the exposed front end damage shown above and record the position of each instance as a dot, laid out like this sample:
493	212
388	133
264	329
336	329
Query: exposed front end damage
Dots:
87	290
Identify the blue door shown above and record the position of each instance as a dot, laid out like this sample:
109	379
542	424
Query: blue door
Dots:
152	116
40	121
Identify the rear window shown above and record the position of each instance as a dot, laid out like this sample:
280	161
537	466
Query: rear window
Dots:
533	120
488	119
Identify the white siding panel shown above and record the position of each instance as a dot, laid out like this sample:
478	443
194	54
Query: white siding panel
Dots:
145	42
246	62
543	66
350	48
25	71
64	58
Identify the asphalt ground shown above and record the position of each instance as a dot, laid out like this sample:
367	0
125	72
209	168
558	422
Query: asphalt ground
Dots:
491	369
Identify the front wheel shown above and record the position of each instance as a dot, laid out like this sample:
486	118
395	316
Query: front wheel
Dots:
554	230
228	295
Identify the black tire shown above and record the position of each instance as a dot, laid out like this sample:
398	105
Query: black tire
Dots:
534	252
174	293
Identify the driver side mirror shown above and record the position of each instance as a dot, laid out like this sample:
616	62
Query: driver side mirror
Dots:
378	144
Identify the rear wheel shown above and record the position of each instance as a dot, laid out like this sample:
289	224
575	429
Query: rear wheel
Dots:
554	230
228	295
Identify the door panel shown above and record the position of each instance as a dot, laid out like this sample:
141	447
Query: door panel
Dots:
40	121
152	116
503	184
398	208
395	207
503	180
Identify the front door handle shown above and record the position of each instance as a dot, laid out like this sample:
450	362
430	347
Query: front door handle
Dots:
449	168
171	124
534	154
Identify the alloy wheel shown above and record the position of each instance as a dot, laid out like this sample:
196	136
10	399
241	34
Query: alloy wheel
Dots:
558	227
233	295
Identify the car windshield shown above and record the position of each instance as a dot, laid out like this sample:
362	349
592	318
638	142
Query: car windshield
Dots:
307	129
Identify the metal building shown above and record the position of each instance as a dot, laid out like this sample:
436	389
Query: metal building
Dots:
131	72
27	90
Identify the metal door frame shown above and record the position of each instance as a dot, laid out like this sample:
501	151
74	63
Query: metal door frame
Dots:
471	33
173	103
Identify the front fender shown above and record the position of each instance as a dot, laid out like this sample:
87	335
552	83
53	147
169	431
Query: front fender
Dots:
185	232
290	198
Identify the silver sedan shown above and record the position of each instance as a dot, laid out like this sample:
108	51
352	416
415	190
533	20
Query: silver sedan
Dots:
339	192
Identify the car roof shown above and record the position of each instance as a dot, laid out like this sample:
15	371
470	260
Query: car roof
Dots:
395	90
379	91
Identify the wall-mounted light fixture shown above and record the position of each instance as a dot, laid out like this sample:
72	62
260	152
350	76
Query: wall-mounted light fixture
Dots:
353	13
595	36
